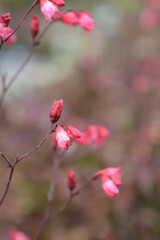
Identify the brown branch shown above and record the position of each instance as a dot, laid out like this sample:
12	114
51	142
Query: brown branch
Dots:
18	159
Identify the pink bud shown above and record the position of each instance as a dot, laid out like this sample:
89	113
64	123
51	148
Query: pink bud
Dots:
70	18
86	21
59	3
56	110
71	179
73	132
34	25
5	19
17	235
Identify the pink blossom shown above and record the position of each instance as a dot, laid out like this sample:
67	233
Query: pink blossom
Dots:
110	178
78	17
49	9
70	18
17	235
62	138
85	20
148	18
97	134
56	110
71	179
73	132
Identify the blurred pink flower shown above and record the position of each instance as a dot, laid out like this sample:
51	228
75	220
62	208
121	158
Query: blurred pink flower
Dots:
62	138
71	179
17	235
148	18
78	17
110	178
34	27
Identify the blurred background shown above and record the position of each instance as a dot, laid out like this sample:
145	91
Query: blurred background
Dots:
109	76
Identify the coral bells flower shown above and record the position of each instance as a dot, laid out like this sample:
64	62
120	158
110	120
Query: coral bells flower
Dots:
78	17
49	8
73	132
71	179
56	110
62	138
17	235
5	31
94	133
110	178
34	25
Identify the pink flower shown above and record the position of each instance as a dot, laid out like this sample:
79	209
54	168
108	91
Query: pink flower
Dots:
70	18
17	235
62	138
73	132
110	178
56	110
34	25
148	18
49	9
78	17
94	133
71	179
85	20
5	31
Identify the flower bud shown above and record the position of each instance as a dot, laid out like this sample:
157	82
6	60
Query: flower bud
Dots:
56	110
71	179
34	25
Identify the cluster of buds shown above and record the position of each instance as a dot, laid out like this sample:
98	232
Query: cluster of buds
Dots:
5	31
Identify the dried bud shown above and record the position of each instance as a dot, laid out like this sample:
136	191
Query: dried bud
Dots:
56	110
34	25
71	179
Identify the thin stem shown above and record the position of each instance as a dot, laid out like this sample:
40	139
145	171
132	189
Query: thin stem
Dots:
6	159
20	23
8	185
35	148
50	197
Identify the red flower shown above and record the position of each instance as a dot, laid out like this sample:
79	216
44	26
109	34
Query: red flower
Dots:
50	8
17	235
73	132
5	19
62	138
78	17
56	110
34	25
71	179
110	178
